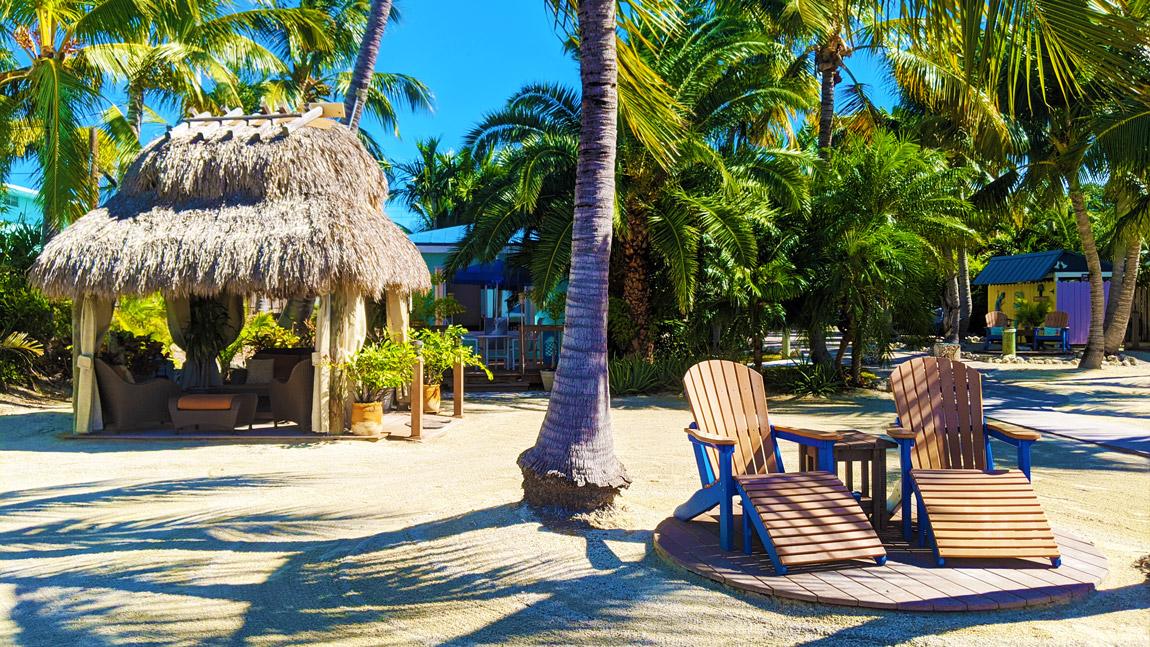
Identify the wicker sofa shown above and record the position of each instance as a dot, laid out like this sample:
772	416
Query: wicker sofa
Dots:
133	405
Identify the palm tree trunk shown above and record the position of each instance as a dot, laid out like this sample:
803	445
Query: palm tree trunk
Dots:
964	296
828	59
951	311
1096	342
636	282
573	464
817	337
136	109
756	335
365	62
1123	284
856	352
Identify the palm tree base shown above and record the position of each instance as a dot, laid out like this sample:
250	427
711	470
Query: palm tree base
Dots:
1091	359
558	494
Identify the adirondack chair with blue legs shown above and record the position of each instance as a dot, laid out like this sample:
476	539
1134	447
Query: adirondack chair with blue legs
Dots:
965	507
1055	328
996	322
800	518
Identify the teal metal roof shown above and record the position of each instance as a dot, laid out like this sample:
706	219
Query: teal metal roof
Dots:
449	236
1028	268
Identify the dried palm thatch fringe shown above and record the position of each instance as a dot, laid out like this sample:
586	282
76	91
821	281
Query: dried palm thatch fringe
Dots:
204	213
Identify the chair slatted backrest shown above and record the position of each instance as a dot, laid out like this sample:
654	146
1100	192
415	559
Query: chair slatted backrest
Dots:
941	401
1057	319
996	319
729	400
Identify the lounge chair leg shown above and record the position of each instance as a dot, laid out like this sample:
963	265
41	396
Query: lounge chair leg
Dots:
1055	562
941	561
747	532
881	561
921	522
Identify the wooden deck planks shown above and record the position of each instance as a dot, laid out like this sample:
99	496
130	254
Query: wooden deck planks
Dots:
908	581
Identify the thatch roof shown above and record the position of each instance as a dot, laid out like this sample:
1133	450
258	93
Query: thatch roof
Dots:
225	210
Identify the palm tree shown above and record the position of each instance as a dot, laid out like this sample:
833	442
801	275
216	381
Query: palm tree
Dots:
573	462
439	185
321	74
364	70
882	211
1130	230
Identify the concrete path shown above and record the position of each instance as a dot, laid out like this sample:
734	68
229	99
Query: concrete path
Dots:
1066	416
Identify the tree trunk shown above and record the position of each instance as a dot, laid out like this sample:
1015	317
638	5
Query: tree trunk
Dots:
1096	342
756	335
136	109
856	353
365	62
951	310
828	59
817	337
636	282
1123	284
964	297
573	464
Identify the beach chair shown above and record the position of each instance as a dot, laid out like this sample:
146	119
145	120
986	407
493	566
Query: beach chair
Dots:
996	321
801	518
967	507
1055	328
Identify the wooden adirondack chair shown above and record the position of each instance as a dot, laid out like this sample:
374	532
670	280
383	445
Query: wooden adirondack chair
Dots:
1056	328
967	506
801	518
996	320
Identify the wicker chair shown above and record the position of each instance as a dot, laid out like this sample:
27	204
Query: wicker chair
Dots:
130	405
291	400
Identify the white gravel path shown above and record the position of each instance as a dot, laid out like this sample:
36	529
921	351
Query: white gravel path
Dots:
164	543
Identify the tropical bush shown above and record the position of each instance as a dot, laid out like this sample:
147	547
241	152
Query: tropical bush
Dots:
804	378
1031	314
260	332
48	324
141	354
143	317
17	351
378	367
443	349
634	375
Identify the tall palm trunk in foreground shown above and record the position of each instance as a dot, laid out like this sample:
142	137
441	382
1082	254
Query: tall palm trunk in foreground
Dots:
1096	342
573	463
365	62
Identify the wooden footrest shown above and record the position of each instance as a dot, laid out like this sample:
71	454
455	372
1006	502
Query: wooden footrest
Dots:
810	517
984	514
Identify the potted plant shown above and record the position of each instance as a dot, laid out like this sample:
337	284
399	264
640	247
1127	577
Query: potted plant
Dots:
374	373
441	350
1029	315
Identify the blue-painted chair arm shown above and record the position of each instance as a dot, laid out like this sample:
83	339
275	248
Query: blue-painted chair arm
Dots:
1021	437
822	441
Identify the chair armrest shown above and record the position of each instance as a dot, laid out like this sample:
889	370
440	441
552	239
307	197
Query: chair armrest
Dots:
1008	432
708	439
898	432
798	435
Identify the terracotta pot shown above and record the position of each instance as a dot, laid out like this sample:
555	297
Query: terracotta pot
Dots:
548	378
431	398
367	418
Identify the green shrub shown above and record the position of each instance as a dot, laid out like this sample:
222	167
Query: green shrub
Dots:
141	354
633	375
21	306
442	350
1031	314
378	367
804	378
261	332
143	317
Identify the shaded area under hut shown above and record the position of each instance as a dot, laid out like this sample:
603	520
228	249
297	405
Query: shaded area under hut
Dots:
219	208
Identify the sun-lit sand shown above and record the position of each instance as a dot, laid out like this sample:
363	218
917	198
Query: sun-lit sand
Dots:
393	542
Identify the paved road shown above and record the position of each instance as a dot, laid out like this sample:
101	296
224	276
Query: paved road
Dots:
1058	414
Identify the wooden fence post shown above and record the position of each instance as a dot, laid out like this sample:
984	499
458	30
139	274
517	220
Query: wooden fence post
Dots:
457	389
417	400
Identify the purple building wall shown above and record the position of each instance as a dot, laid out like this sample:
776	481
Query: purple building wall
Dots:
1073	298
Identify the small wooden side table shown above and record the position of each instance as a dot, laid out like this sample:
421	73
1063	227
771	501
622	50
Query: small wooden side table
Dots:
869	453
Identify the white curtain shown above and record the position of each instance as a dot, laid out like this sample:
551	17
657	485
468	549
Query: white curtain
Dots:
91	317
321	361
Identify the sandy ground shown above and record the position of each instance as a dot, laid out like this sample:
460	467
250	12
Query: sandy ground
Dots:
402	543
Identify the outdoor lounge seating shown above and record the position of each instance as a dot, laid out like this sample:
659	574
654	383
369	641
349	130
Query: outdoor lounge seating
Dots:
801	518
965	506
996	321
291	399
133	405
223	411
1055	328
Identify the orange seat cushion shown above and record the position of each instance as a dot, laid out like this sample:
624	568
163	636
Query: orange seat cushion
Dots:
205	402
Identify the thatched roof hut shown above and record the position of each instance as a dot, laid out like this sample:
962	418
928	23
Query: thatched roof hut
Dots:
199	214
286	205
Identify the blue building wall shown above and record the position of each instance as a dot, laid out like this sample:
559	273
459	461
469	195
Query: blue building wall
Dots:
19	206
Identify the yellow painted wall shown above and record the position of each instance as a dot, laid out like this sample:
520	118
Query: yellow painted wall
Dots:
1029	291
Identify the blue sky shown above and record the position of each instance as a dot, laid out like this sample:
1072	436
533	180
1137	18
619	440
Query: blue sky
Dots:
473	54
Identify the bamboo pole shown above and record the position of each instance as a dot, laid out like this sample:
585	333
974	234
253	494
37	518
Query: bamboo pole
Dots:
457	389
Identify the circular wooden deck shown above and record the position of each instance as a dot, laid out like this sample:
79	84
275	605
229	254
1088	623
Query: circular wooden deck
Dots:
909	581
